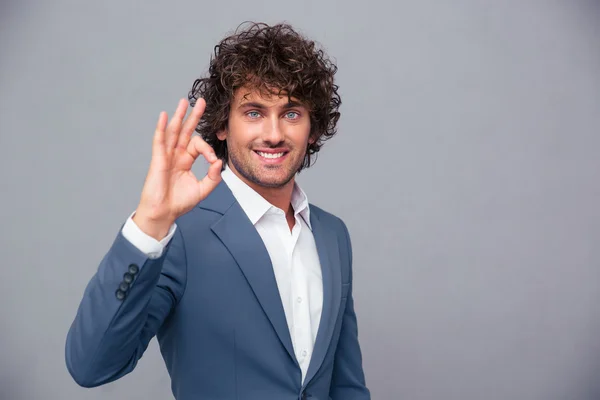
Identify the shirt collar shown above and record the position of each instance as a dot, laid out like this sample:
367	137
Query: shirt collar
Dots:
255	206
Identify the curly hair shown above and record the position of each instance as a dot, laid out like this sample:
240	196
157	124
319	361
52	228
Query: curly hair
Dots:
268	58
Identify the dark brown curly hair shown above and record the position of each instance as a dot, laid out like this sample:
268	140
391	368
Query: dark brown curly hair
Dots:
268	58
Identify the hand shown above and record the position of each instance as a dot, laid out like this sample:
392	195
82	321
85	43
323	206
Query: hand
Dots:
171	189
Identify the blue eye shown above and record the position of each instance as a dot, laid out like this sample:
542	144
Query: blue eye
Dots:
253	114
292	115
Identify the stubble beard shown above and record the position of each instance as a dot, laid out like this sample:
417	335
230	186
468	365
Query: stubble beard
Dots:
250	171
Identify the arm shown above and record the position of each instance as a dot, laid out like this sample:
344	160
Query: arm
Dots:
348	381
137	285
116	320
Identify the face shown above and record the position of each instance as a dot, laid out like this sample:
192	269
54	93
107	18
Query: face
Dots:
267	137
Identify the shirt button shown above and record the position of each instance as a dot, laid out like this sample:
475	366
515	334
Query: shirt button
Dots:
299	300
304	353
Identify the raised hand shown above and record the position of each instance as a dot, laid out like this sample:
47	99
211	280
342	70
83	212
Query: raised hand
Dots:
171	189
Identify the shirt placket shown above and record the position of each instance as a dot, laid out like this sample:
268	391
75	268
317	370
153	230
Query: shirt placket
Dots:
300	302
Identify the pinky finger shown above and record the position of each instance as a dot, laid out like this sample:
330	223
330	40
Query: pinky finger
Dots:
161	125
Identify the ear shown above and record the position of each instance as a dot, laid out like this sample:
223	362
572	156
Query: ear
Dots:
311	139
222	134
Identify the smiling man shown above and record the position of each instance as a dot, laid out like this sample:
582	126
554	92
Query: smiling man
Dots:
267	137
246	285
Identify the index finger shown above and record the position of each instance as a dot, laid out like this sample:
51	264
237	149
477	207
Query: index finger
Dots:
191	123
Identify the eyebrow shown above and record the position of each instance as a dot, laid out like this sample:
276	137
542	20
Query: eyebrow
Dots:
260	106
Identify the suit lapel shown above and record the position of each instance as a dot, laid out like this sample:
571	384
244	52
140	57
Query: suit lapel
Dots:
244	243
329	257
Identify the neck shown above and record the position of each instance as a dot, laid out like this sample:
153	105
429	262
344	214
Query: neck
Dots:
280	197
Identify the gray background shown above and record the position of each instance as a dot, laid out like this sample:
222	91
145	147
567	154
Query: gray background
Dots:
466	167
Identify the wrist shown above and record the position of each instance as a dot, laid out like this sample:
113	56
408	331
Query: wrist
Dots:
156	228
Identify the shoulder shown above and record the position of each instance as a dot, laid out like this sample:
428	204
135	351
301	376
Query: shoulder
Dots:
197	218
209	210
324	216
330	220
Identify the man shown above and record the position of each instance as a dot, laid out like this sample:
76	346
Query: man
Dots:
247	287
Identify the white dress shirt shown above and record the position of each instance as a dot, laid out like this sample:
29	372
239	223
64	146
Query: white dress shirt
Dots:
293	254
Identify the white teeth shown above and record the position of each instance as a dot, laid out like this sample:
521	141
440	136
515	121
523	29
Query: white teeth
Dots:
270	155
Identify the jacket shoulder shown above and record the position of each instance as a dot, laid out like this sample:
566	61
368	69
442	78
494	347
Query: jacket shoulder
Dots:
327	217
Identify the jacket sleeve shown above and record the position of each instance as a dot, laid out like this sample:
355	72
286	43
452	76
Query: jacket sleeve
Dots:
348	381
123	307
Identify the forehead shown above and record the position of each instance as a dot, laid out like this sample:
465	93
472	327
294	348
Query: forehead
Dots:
272	97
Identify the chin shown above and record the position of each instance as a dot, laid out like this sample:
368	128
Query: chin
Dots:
274	176
272	182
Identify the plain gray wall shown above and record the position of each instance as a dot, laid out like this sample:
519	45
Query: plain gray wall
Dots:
467	167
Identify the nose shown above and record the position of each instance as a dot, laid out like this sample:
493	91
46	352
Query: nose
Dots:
272	132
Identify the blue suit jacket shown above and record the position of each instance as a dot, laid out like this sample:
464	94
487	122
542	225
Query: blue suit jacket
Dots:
212	301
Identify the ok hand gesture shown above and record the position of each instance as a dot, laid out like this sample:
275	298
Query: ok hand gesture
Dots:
171	189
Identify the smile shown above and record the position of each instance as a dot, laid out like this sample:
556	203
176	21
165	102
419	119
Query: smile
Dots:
273	157
270	155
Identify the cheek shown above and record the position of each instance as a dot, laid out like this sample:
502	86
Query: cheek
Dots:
243	133
300	135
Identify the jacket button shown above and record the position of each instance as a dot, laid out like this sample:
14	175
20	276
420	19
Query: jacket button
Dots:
120	294
127	278
133	269
124	286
